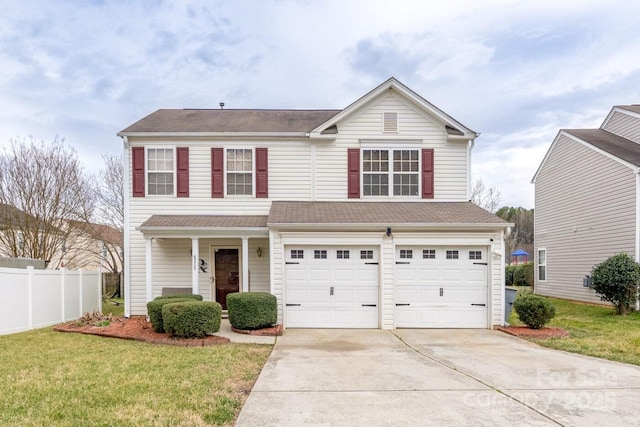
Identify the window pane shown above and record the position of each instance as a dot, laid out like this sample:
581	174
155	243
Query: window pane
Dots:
375	185
542	272
239	184
160	171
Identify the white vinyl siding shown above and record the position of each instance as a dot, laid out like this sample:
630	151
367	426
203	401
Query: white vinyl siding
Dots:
624	124
585	212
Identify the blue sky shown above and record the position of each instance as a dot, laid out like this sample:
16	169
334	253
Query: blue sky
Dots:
515	71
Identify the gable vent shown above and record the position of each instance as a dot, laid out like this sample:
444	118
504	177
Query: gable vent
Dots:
390	121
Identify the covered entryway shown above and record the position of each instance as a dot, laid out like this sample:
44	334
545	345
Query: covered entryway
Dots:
441	287
331	287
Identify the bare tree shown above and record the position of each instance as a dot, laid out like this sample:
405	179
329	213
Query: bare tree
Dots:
42	186
110	211
522	232
488	198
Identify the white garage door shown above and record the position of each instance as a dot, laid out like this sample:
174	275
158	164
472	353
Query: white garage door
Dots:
331	287
441	287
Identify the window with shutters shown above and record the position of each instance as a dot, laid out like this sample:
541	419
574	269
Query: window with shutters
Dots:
398	169
239	167
160	171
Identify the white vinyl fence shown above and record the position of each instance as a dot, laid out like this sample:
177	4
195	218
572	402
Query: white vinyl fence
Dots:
31	299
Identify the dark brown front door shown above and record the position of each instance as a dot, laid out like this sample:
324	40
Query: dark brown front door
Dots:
227	274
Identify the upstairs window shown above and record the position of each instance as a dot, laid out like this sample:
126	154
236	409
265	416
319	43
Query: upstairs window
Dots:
239	172
404	173
160	171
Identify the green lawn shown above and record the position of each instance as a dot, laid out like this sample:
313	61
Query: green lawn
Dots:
594	331
68	379
113	306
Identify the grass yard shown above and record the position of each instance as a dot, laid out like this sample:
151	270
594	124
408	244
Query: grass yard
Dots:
594	331
113	306
66	379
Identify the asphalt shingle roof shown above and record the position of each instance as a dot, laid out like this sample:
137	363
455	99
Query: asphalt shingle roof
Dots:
231	121
618	146
204	221
382	213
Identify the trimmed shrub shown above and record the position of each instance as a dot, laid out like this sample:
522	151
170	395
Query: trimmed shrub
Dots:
523	275
196	297
154	310
252	310
192	319
508	274
535	311
616	280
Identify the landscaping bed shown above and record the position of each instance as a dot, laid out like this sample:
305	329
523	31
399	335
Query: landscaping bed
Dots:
137	328
526	332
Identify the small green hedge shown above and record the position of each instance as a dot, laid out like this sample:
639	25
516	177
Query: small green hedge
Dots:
535	311
154	308
508	274
191	319
252	310
523	275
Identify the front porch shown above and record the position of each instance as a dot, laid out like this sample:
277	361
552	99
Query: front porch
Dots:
207	255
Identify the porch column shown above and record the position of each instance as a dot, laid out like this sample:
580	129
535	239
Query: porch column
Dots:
195	265
149	268
245	264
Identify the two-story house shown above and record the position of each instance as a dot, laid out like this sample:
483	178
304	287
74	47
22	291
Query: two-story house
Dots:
353	218
587	203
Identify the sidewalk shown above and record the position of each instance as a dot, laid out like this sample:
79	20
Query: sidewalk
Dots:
234	337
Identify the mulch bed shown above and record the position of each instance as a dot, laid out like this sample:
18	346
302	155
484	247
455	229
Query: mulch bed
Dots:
275	331
137	328
542	333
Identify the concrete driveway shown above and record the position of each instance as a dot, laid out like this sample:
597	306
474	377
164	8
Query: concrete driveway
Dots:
435	377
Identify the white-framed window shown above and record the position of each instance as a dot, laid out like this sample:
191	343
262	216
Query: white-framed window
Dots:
342	254
320	254
542	265
428	254
160	171
239	171
297	254
454	254
475	254
406	253
366	254
385	168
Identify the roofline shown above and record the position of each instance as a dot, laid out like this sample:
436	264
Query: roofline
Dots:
384	225
564	132
173	227
392	82
216	134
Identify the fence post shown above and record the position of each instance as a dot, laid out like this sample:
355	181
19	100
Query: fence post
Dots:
30	294
80	290
62	271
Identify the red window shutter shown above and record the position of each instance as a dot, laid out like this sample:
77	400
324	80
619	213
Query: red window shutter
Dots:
137	175
353	173
427	173
217	172
262	173
182	154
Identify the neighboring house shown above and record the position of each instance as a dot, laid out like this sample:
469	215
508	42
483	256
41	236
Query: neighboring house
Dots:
67	243
351	218
587	202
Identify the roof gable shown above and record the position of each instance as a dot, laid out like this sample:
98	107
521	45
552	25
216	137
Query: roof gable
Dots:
620	149
454	128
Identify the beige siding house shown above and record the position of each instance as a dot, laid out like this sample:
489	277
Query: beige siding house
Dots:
587	199
351	218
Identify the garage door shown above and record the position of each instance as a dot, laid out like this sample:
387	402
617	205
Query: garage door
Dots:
441	287
329	287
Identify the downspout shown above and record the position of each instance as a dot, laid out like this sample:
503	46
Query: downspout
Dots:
637	243
126	229
470	145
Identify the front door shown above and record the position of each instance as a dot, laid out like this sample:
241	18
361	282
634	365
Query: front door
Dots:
226	277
